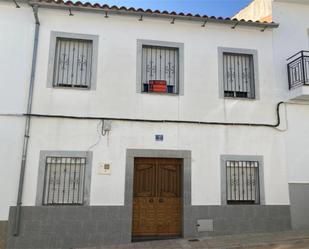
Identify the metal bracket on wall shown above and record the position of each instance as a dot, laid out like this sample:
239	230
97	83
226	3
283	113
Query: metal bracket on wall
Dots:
70	12
262	30
204	23
16	4
234	26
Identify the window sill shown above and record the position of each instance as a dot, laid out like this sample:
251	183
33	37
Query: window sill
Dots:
72	88
237	98
243	204
63	205
160	93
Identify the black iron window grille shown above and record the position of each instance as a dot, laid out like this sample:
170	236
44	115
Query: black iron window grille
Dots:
73	63
160	64
242	182
238	75
64	181
298	69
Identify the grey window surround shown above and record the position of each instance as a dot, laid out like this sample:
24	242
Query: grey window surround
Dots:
257	158
254	53
61	153
52	54
179	46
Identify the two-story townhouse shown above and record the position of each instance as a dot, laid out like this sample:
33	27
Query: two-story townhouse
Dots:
139	124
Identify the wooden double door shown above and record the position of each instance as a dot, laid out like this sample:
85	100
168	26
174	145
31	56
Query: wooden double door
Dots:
157	204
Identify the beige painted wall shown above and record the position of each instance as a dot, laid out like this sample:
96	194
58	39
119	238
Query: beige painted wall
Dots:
257	10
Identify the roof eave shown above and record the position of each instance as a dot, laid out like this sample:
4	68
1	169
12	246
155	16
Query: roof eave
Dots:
138	13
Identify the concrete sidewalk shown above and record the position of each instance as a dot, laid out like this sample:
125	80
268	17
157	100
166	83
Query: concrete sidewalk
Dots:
278	240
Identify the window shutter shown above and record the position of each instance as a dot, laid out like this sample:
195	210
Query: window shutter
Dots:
73	62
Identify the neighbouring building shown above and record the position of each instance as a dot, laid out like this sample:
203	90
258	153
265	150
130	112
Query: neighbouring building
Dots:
257	10
119	124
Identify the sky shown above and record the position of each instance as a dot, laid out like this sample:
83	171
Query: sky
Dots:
224	8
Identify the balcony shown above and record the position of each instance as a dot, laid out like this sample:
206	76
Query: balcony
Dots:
298	75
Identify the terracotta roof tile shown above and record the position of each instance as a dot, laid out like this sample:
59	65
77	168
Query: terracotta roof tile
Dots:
149	11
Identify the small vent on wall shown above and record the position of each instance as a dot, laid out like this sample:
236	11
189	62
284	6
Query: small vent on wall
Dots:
205	225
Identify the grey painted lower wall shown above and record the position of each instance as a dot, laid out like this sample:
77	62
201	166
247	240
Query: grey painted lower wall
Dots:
299	198
3	234
67	227
236	219
89	226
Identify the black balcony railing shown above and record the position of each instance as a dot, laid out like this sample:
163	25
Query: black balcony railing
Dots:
298	69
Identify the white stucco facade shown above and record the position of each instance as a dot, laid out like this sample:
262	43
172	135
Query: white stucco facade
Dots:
291	38
283	149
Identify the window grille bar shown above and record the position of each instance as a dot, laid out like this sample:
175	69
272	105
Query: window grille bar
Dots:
60	166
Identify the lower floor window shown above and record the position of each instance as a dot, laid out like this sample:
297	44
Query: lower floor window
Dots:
242	182
64	180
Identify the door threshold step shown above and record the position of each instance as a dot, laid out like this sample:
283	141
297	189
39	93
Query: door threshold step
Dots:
152	238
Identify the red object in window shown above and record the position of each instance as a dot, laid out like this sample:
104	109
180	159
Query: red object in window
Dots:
157	86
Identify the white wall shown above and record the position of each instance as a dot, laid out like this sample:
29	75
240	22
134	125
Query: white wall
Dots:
207	143
16	39
290	38
116	96
117	53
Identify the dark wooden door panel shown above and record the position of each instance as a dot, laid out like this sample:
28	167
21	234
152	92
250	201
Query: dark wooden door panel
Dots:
144	216
169	216
144	178
157	198
169	179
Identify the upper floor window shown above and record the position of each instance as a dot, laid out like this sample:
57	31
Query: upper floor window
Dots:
238	78
160	67
160	71
73	60
238	73
73	63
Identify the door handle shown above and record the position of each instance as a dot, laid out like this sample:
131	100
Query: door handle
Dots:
151	200
161	200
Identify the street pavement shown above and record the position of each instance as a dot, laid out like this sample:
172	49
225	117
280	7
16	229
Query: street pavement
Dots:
277	240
